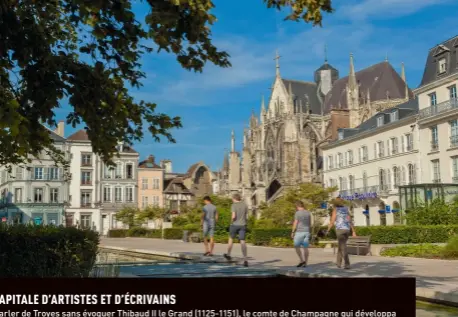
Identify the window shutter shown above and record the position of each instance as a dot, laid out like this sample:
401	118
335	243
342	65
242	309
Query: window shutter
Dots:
403	175
388	179
46	173
388	147
375	151
401	150
360	154
345	158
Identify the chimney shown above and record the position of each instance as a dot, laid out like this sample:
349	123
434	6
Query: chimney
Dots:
151	158
166	165
60	130
340	118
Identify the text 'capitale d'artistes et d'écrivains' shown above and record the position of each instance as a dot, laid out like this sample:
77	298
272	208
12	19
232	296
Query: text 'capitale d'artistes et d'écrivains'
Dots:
88	299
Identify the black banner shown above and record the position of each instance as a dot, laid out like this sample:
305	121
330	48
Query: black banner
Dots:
208	297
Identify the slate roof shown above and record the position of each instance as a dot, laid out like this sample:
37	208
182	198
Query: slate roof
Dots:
148	163
378	79
447	49
175	186
405	110
302	88
56	137
81	135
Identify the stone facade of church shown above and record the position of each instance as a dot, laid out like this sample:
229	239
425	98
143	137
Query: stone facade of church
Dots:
281	146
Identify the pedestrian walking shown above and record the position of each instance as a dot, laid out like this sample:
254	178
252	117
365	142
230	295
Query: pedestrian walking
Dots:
239	211
344	228
301	233
208	223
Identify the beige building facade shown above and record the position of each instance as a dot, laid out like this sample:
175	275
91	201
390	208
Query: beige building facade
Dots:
150	183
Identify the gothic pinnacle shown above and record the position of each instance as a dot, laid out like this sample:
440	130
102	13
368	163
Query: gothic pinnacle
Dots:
277	63
352	75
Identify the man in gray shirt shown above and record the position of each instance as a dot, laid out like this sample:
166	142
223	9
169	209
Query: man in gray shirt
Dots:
238	227
301	232
208	223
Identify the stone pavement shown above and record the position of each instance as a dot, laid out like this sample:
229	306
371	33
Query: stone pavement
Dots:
436	279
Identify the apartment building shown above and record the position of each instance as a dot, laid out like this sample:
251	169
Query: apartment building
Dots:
37	192
370	162
150	183
438	115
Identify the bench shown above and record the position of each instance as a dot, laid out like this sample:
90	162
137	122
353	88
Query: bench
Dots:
195	237
362	245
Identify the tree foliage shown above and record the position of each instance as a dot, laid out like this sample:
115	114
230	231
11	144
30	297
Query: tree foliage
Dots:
87	54
281	212
436	212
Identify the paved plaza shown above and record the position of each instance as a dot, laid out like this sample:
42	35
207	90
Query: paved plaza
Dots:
435	278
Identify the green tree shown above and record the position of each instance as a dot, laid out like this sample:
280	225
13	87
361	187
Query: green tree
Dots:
88	53
128	216
281	212
436	212
152	213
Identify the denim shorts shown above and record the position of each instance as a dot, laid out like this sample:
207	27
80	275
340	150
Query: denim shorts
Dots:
209	228
301	239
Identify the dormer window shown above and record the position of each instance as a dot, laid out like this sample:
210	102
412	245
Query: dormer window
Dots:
380	121
341	135
442	66
394	116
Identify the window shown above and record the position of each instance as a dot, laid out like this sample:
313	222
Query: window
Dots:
340	160
118	194
156	183
53	173
351	179
409	142
17	195
394	145
432	99
442	65
38	173
118	173
107	194
155	200
85	199
129	171
144	201
340	135
85	178
381	149
436	171
330	162
382	180
365	181
129	194
452	92
434	139
86	159
394	116
365	153
54	195
38	195
412	174
350	157
397	176
455	169
107	172
380	121
19	173
85	221
454	133
144	183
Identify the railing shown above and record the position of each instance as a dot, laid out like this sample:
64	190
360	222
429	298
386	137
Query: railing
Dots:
86	164
85	204
439	108
86	182
455	179
365	158
44	178
394	151
437	181
454	141
380	154
409	147
434	146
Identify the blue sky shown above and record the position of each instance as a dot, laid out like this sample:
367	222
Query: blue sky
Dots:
218	100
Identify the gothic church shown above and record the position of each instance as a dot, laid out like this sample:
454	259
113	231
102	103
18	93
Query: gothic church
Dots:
281	147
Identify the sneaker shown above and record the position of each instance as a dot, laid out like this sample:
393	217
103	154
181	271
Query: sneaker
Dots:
347	267
301	264
206	253
227	257
245	263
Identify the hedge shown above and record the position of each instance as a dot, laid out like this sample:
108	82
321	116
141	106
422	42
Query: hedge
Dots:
379	234
46	251
135	232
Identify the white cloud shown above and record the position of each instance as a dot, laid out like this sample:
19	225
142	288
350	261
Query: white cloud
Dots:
385	8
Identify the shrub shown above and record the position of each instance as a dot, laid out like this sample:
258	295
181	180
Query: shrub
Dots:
155	234
419	251
281	242
137	232
117	233
173	233
451	248
46	251
436	212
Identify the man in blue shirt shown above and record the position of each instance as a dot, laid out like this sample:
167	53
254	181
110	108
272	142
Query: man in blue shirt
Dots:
208	223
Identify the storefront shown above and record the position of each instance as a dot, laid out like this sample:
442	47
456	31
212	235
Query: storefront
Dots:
412	195
39	214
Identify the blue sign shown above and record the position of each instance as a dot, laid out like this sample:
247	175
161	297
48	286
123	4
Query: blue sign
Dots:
395	210
381	211
365	212
388	209
37	221
357	196
324	205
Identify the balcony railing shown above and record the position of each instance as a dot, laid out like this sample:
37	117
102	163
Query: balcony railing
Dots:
437	181
86	182
454	141
365	158
455	179
394	151
409	147
435	146
85	204
439	108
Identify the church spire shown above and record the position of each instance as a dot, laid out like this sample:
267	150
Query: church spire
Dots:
277	63
263	109
386	57
352	75
403	76
232	141
325	54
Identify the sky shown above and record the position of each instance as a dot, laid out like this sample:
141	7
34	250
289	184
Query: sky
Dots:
213	103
